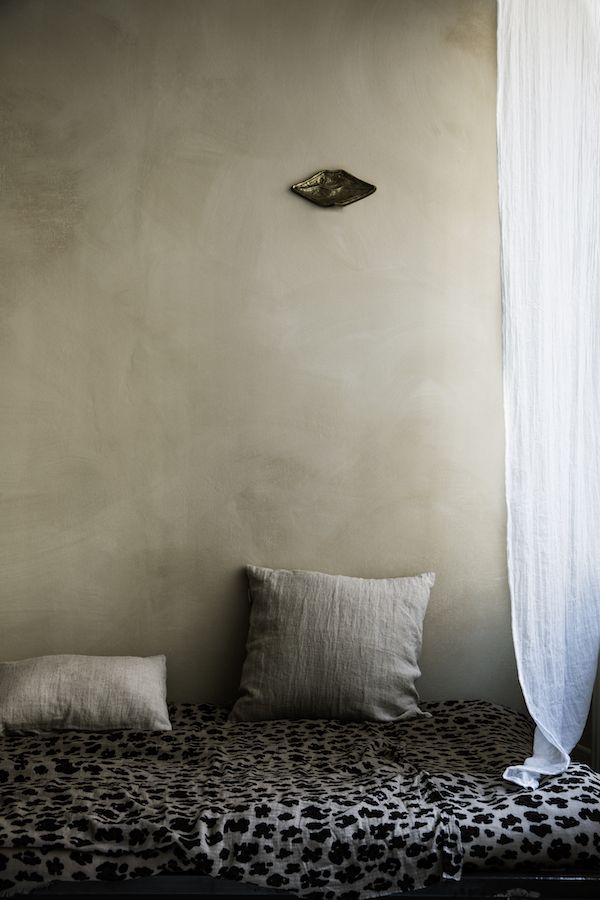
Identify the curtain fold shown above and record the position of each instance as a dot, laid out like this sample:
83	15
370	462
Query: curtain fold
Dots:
548	119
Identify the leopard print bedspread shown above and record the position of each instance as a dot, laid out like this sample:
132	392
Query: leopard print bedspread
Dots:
318	808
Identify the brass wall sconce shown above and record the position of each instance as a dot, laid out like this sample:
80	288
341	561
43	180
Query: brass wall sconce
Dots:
333	187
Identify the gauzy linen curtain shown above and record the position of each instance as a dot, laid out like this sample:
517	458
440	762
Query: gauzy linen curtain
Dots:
548	118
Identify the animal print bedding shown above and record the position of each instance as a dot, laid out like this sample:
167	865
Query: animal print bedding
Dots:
322	809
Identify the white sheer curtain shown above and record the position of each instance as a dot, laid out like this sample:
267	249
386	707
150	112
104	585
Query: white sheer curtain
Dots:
549	187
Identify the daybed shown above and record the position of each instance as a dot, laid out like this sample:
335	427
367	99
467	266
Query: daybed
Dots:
315	808
327	778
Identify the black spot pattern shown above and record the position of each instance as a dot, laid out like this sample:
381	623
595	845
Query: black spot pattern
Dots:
322	809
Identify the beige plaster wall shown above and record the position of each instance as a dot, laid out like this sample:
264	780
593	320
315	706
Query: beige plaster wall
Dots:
200	369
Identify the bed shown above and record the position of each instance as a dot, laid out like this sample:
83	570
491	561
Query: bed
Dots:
319	808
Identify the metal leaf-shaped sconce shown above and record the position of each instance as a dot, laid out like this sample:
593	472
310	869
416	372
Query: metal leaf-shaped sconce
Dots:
333	187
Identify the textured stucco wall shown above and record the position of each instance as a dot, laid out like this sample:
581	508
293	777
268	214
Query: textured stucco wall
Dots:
200	369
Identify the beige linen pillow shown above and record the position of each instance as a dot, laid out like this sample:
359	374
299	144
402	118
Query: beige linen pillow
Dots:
89	693
331	646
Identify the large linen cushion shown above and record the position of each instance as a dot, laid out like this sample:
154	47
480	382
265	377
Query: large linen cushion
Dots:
89	693
331	646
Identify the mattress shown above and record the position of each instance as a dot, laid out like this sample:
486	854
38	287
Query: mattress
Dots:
317	808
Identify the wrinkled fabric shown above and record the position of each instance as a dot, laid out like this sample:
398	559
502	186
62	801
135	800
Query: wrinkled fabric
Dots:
320	808
90	693
332	646
548	118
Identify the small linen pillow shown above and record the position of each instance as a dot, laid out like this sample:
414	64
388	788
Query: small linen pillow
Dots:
88	693
331	646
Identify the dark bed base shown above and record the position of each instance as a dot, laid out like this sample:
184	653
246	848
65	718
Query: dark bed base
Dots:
543	884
